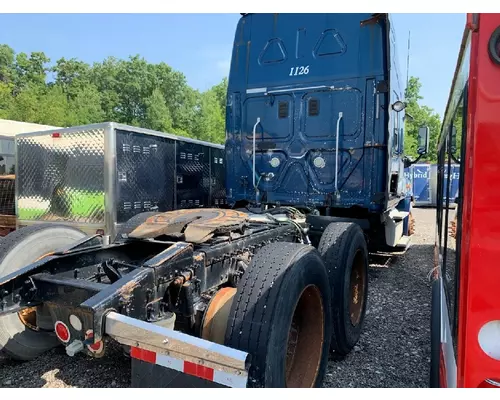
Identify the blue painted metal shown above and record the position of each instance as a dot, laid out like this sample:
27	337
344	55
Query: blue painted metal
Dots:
454	183
296	79
408	191
422	184
408	176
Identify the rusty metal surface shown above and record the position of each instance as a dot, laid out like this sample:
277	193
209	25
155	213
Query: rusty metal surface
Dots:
196	225
374	19
216	317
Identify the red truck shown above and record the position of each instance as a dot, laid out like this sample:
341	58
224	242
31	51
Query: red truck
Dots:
465	302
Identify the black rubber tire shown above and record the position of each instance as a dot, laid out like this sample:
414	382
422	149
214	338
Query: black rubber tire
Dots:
264	305
18	249
133	223
339	244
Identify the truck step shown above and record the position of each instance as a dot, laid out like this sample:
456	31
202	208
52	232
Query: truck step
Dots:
404	242
397	215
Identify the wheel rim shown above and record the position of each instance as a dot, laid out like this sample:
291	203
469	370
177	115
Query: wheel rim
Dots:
28	318
357	286
305	340
28	315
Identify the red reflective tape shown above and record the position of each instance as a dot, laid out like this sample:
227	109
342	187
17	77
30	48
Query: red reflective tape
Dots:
442	368
143	355
198	370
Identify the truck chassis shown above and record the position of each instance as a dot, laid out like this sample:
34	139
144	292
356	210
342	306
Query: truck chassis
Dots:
235	298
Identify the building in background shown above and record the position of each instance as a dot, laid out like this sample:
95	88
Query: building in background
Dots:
12	128
8	130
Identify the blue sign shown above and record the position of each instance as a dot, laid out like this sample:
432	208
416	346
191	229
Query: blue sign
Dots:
421	184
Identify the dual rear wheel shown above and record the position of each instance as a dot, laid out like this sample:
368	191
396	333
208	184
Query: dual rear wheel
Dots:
296	305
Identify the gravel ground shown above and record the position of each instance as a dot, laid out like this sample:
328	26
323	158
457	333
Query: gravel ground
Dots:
393	350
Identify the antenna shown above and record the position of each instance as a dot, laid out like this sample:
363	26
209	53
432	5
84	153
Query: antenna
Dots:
408	63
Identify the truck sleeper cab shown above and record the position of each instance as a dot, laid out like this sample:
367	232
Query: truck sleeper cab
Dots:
315	118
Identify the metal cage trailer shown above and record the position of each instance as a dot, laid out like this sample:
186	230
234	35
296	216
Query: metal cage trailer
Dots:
96	177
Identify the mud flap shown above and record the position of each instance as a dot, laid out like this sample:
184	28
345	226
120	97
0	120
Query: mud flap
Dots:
147	375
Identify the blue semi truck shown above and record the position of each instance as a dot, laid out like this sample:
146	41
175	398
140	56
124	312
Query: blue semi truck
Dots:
315	120
261	291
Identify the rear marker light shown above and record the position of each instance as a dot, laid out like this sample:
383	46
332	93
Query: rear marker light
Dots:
56	135
62	331
96	347
75	322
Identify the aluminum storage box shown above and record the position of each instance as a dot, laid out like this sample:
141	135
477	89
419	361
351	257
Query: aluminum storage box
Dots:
95	177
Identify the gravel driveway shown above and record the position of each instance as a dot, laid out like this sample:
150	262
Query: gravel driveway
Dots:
393	350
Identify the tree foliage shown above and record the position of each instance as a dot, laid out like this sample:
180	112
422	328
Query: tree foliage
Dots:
133	91
420	115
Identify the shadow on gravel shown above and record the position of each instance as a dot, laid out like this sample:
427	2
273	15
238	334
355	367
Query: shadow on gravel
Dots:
56	369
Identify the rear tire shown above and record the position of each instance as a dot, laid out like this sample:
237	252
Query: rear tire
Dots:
344	251
281	316
17	250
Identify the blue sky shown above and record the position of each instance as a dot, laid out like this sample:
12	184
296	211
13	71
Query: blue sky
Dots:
199	45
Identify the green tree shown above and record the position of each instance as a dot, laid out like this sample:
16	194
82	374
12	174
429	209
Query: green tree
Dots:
7	68
85	106
72	75
131	91
220	91
420	115
157	115
31	70
210	123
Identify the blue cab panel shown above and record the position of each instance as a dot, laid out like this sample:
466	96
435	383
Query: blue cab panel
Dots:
299	83
422	184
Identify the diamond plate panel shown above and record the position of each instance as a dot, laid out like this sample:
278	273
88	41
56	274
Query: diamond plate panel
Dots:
193	175
61	178
218	177
145	173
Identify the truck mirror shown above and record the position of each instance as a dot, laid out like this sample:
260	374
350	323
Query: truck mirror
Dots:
453	139
398	106
423	140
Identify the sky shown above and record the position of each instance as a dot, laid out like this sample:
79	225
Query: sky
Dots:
199	45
